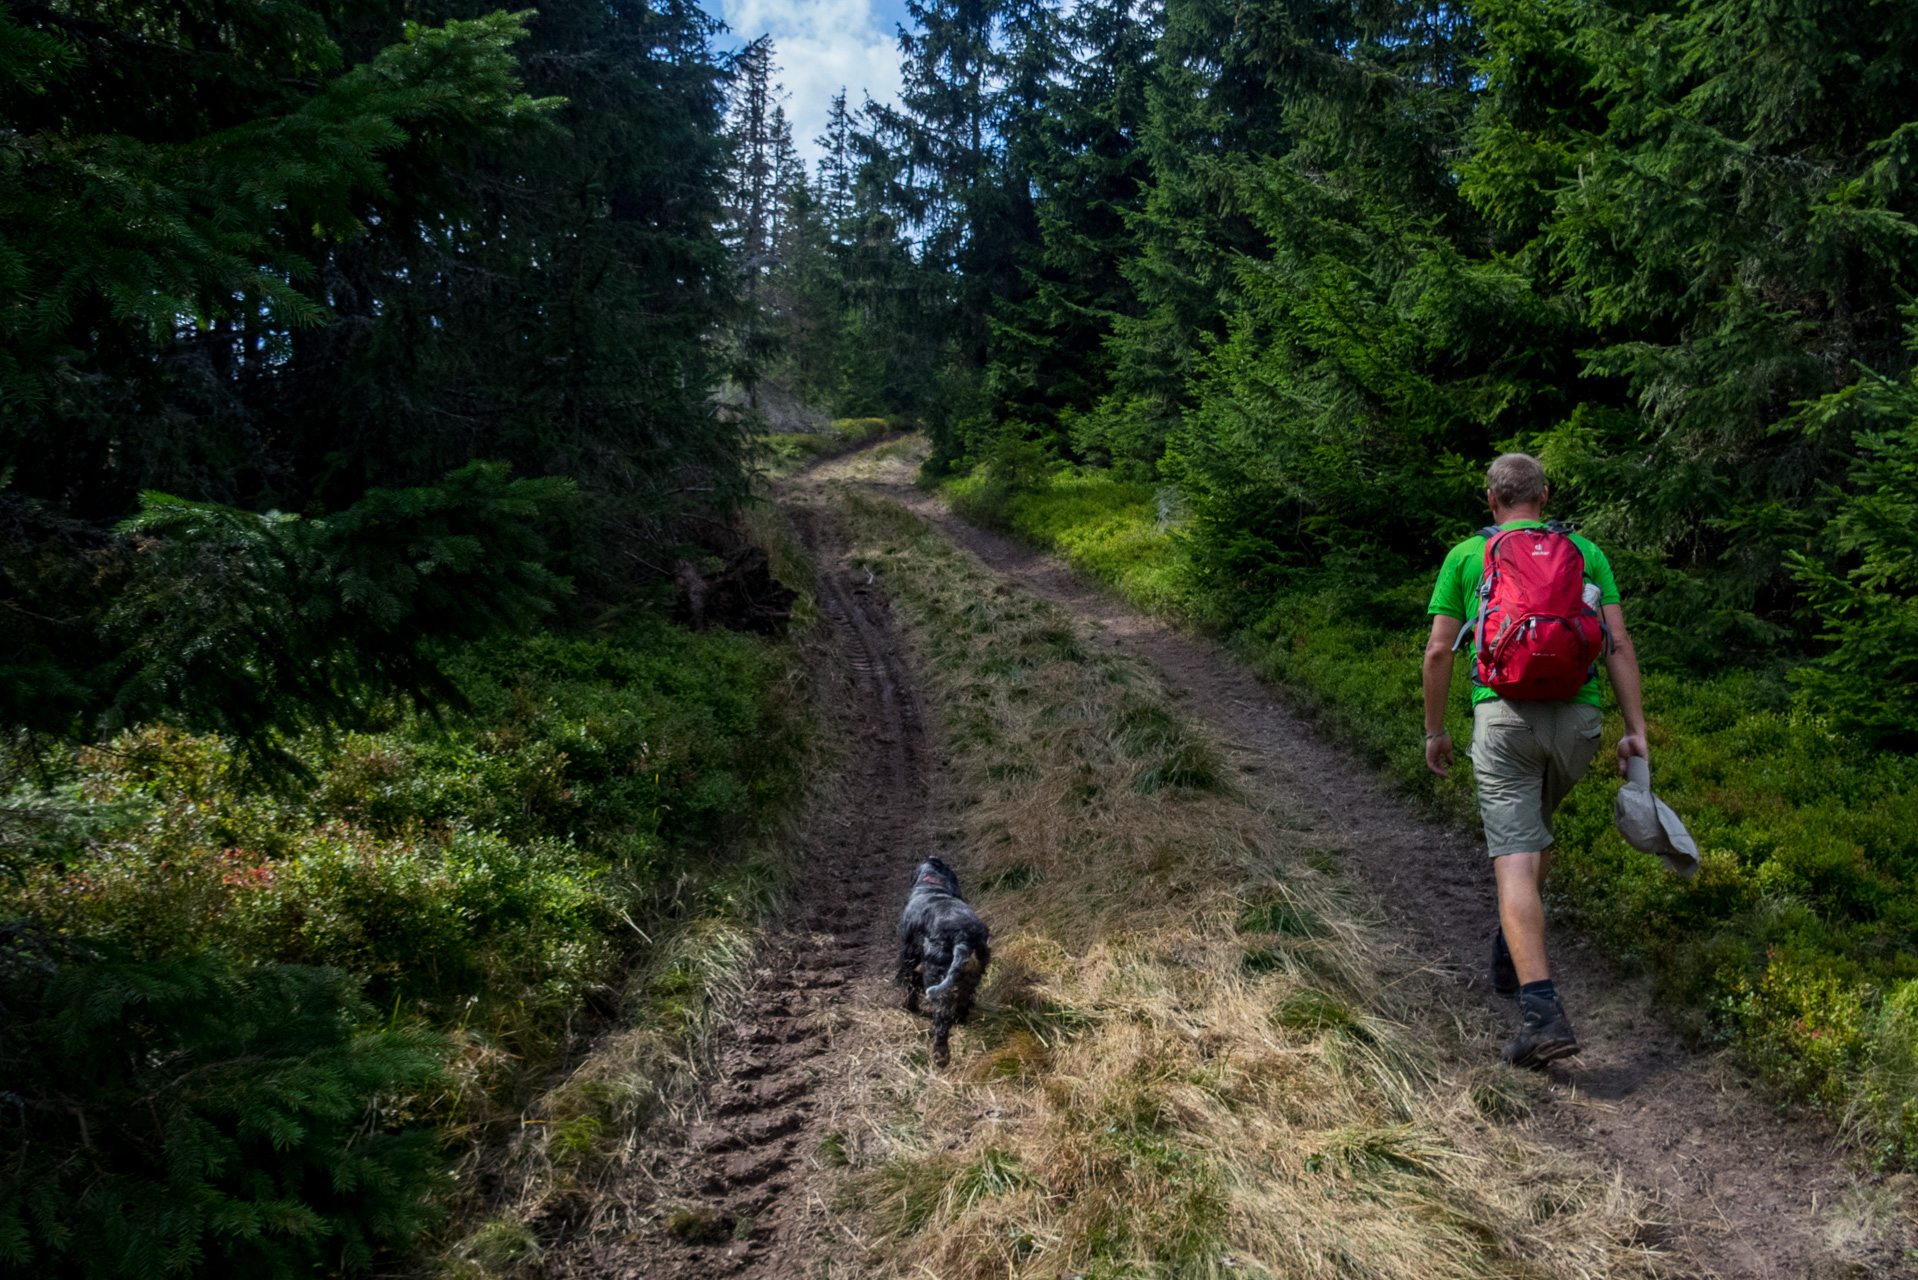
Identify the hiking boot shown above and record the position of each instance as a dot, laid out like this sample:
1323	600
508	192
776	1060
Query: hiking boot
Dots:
1544	1033
1504	972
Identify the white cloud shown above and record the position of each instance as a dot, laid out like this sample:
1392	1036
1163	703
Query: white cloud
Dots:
821	46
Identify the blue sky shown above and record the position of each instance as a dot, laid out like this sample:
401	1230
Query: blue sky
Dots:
821	45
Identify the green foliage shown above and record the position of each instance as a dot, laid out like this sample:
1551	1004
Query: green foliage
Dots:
1866	592
143	234
188	1116
1118	530
1805	1027
790	449
488	856
245	625
1050	357
482	876
284	329
217	619
1885	1110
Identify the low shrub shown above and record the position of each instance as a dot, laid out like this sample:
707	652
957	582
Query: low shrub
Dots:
437	888
1115	530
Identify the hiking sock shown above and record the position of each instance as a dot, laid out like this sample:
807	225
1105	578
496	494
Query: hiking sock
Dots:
1542	989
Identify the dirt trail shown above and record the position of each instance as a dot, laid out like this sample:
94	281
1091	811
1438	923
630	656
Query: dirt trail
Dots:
741	1179
1753	1194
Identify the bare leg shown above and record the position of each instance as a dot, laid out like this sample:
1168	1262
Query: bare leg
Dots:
1521	911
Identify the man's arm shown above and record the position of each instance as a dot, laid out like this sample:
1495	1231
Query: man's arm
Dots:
1622	667
1438	687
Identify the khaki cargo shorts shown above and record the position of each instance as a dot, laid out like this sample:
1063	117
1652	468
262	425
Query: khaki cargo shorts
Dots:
1527	757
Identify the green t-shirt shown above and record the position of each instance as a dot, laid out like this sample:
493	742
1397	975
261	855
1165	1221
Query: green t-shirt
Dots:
1456	593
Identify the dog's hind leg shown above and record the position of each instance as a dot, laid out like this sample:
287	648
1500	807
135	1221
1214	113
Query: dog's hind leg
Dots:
942	1034
962	998
907	975
969	984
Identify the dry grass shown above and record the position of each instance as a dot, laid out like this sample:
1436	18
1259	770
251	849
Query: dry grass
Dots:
1196	1056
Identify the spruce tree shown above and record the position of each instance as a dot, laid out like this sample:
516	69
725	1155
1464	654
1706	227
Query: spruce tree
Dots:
760	173
944	131
1209	109
190	1118
1722	193
166	216
837	173
283	260
551	306
1052	354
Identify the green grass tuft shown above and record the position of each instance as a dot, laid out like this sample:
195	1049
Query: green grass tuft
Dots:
699	1225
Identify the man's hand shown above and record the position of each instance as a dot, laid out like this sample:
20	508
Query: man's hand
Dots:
1632	744
1438	755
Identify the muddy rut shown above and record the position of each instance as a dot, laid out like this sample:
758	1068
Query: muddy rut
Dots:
735	1196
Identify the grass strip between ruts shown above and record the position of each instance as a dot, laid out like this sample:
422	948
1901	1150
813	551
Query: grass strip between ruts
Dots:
1187	1060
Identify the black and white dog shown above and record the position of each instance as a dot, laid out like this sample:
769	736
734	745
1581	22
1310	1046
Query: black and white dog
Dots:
943	951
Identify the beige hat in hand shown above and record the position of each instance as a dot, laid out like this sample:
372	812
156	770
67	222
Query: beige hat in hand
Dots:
1648	823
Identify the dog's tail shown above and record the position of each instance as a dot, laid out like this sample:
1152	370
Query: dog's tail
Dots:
961	952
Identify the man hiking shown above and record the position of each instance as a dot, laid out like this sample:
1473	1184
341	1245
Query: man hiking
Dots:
1542	608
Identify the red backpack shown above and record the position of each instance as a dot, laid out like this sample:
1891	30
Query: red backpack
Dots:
1537	638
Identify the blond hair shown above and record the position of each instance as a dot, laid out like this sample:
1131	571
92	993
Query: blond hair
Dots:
1516	479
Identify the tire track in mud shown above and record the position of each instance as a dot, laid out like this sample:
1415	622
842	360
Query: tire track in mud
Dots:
737	1196
1754	1194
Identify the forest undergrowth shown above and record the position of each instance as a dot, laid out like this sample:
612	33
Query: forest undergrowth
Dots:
1190	1058
1787	944
419	1000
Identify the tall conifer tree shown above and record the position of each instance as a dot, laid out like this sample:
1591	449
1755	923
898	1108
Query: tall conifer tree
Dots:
1081	153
